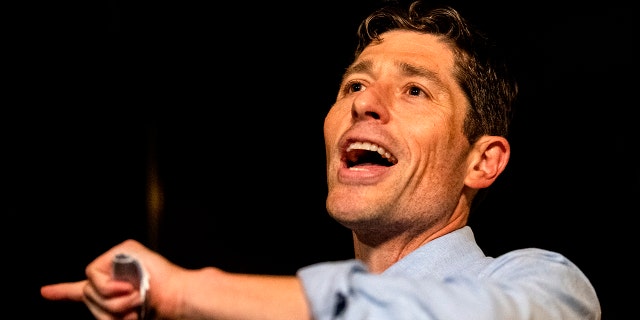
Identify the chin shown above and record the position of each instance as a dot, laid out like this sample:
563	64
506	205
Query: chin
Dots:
350	214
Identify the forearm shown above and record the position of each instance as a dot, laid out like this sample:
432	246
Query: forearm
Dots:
210	293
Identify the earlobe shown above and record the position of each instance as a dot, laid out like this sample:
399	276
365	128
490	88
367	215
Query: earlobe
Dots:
488	159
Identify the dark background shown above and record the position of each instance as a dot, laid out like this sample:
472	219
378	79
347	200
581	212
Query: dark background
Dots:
229	100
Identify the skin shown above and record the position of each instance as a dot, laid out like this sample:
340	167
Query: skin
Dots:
415	116
416	113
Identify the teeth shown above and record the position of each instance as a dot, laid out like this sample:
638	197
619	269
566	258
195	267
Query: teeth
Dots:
372	147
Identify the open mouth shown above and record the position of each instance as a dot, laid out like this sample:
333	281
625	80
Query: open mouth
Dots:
367	153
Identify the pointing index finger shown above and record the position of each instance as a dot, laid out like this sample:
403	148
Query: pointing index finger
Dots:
64	291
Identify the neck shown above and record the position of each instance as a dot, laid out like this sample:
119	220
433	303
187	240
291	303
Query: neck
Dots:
379	254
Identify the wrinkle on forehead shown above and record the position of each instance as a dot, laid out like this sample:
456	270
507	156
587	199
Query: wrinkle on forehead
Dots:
414	53
407	69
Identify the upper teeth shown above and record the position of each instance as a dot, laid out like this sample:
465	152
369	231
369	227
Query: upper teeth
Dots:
372	147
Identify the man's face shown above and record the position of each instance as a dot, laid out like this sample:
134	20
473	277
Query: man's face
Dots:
396	153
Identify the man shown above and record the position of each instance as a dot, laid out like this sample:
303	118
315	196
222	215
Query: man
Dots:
418	128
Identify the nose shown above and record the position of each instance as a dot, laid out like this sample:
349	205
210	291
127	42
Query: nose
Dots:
370	104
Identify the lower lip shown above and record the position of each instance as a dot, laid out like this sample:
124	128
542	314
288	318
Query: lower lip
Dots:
362	174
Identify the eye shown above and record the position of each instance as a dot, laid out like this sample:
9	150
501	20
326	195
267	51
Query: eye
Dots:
355	86
415	91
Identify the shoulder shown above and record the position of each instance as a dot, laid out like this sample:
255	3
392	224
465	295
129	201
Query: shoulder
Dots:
533	262
535	254
528	255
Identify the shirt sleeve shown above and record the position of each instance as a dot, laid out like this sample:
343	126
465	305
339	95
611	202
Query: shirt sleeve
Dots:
522	284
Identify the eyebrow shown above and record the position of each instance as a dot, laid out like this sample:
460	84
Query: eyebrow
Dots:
406	69
416	71
360	67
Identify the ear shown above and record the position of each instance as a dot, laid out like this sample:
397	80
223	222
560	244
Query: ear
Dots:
488	158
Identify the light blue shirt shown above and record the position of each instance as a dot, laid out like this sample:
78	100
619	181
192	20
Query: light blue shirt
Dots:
451	278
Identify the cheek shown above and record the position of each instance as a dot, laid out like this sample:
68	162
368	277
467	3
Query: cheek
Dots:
333	123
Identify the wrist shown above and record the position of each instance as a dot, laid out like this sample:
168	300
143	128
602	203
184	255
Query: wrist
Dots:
197	294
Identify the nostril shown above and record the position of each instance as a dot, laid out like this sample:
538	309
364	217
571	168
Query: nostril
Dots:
372	114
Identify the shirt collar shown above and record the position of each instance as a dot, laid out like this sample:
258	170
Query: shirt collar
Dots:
454	252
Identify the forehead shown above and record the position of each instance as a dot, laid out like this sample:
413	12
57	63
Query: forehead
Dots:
420	49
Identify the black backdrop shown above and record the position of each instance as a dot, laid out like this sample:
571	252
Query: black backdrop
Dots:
228	100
